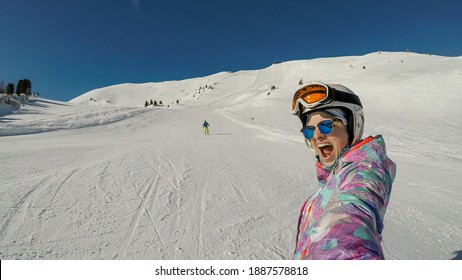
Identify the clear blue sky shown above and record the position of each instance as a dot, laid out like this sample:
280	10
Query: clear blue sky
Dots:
67	48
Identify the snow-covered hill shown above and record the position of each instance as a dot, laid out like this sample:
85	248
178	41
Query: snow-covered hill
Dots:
120	181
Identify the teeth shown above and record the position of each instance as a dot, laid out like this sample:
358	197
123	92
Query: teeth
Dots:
323	145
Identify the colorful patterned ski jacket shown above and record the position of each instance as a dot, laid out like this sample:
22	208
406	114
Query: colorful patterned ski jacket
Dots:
344	219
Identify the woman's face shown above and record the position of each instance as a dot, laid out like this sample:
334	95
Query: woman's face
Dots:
328	147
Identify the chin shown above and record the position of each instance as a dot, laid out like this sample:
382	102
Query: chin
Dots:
328	163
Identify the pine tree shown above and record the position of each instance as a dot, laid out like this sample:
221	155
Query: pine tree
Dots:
24	86
155	103
10	88
28	86
19	86
146	104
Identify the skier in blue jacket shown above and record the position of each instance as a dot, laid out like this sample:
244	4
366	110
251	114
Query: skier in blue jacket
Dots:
206	128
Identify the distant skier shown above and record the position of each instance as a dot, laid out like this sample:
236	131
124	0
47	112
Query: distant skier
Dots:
206	128
344	219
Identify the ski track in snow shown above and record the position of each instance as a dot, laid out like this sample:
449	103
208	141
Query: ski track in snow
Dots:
136	220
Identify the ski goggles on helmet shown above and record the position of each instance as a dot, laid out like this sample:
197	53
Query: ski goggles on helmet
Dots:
325	127
315	95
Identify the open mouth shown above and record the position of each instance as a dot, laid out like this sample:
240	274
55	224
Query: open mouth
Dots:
326	150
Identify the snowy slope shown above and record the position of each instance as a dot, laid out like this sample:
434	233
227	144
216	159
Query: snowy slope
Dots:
120	181
136	94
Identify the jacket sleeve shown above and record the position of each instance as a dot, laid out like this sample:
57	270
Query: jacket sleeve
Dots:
350	226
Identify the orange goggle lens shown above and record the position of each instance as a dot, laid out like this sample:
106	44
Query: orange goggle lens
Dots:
310	94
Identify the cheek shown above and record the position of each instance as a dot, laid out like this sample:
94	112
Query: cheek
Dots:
340	145
340	139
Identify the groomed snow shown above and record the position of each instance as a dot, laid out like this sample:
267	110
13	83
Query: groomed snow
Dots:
102	177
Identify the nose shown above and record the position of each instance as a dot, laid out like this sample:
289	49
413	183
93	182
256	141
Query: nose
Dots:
318	135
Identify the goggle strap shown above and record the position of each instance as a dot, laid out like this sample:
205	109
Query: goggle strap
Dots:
346	97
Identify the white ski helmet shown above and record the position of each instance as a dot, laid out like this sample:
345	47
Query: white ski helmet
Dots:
318	96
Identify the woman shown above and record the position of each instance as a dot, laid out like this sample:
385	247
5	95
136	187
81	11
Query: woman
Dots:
344	219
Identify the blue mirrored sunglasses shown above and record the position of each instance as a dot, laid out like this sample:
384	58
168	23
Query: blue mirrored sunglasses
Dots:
325	127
